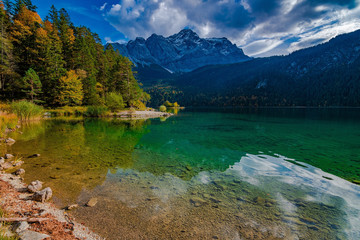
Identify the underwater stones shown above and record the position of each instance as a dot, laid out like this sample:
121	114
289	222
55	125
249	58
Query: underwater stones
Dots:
8	156
314	228
197	202
17	163
2	160
34	186
308	220
259	200
293	220
43	195
10	141
6	166
214	200
72	206
92	202
34	155
20	171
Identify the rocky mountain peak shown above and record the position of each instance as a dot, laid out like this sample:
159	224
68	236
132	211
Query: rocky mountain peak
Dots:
181	52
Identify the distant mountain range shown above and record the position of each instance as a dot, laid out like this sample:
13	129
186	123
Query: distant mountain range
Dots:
181	52
324	75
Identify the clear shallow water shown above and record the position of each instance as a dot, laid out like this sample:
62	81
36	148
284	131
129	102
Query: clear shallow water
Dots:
268	174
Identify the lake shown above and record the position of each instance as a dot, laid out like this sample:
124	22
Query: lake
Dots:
204	173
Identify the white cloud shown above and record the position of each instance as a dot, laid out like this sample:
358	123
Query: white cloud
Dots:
115	9
262	27
102	8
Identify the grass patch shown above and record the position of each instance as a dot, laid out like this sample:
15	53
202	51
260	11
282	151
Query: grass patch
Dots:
26	110
4	228
7	121
68	111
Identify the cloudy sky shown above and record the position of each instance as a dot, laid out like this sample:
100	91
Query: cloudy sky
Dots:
260	27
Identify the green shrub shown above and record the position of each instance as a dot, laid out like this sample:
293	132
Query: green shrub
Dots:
162	108
26	110
114	101
168	104
96	111
140	105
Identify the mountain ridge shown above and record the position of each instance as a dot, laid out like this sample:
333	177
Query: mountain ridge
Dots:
181	52
324	75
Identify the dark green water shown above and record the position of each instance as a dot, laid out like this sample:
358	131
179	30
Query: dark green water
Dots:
229	174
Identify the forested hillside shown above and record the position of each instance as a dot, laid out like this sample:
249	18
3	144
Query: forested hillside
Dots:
55	63
324	75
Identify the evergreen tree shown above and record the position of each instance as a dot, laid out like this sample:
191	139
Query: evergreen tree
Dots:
32	84
19	4
85	59
7	64
66	34
51	63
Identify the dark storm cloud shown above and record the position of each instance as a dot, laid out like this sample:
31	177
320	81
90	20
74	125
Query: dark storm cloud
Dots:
260	26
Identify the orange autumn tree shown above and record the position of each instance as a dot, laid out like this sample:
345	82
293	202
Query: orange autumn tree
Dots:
22	35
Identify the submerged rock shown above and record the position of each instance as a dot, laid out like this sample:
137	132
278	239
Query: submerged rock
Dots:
8	156
197	202
72	206
17	163
92	202
34	155
43	195
9	140
35	186
20	171
5	166
2	160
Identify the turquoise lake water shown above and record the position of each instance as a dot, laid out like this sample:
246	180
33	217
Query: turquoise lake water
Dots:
205	174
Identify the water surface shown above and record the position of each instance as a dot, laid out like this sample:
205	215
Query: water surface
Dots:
231	174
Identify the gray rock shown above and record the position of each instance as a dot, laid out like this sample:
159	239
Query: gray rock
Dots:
2	160
34	155
8	156
17	163
6	166
72	206
43	195
31	235
21	226
35	186
20	171
92	202
9	140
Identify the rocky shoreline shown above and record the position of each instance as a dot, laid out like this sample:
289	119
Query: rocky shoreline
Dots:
31	218
141	114
26	214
